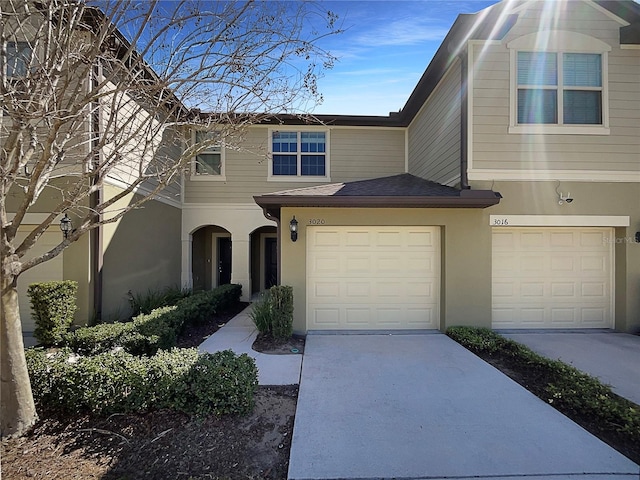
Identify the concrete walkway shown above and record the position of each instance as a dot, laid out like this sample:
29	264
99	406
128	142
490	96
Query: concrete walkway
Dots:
421	406
238	335
614	358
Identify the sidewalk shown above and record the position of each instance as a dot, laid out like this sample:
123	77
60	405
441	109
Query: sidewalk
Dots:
238	335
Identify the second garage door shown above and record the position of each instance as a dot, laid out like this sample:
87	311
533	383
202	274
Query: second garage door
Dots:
552	277
361	278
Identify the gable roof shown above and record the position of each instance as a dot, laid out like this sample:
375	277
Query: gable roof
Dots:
397	191
488	24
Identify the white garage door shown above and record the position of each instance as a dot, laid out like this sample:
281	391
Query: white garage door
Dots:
362	278
552	278
45	272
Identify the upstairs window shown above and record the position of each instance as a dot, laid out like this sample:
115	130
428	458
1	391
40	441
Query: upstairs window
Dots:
559	88
559	84
18	58
299	154
210	162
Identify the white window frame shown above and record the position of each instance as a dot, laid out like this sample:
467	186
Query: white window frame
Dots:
199	177
558	42
299	177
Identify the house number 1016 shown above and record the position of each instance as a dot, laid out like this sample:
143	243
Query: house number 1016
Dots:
316	221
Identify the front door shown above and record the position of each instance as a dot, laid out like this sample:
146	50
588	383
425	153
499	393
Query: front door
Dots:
270	262
224	260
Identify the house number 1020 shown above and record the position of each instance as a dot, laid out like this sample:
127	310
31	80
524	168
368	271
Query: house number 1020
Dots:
316	221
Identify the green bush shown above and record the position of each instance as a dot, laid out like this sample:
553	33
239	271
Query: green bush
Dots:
178	379
273	313
144	303
158	330
565	387
53	305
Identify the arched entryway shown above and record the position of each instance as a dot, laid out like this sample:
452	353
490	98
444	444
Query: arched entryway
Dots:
264	258
211	257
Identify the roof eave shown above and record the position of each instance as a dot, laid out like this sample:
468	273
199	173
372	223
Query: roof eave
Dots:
479	199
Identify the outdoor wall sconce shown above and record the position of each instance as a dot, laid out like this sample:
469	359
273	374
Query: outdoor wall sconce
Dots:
293	228
66	226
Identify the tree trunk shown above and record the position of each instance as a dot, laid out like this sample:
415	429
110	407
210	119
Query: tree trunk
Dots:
17	409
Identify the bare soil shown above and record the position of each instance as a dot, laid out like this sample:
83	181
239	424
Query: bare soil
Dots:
624	443
277	346
162	444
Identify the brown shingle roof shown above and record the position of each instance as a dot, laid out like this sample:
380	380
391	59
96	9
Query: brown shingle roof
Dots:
399	191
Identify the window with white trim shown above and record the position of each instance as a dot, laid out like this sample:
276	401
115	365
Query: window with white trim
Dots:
300	154
18	58
209	163
559	88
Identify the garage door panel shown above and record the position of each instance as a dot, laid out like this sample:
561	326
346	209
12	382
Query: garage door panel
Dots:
379	278
552	278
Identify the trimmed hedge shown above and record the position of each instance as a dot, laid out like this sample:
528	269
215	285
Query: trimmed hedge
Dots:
158	330
179	379
566	388
53	305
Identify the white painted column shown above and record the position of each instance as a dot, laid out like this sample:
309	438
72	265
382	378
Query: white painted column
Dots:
186	278
240	268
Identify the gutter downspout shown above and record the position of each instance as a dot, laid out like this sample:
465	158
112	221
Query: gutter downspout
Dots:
464	119
274	215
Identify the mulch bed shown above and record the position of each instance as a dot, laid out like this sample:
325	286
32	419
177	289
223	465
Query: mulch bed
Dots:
162	444
536	384
194	335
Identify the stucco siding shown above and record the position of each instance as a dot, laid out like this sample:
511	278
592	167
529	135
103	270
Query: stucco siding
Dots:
354	153
493	147
142	252
434	135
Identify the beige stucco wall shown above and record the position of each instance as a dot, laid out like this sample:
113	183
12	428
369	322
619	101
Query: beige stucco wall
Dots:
466	256
590	199
141	252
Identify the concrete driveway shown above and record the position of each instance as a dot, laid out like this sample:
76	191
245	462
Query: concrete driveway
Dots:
612	357
421	406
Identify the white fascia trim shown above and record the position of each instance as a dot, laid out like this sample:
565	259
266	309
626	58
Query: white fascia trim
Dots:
470	70
559	220
406	151
201	177
629	47
548	175
140	190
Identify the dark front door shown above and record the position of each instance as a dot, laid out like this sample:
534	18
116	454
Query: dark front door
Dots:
224	260
270	262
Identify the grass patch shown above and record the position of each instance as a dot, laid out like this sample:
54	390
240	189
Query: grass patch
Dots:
579	396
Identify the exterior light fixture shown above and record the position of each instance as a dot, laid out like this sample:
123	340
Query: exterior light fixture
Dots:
293	228
65	225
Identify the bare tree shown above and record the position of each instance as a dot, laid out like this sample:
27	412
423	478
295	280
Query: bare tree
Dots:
109	91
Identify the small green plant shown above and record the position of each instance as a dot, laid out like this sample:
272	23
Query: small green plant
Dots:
142	303
272	314
53	305
261	313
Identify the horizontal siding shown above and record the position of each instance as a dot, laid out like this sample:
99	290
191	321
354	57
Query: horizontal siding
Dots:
355	154
494	148
434	135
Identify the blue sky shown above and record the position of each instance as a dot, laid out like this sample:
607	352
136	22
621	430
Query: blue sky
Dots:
385	49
